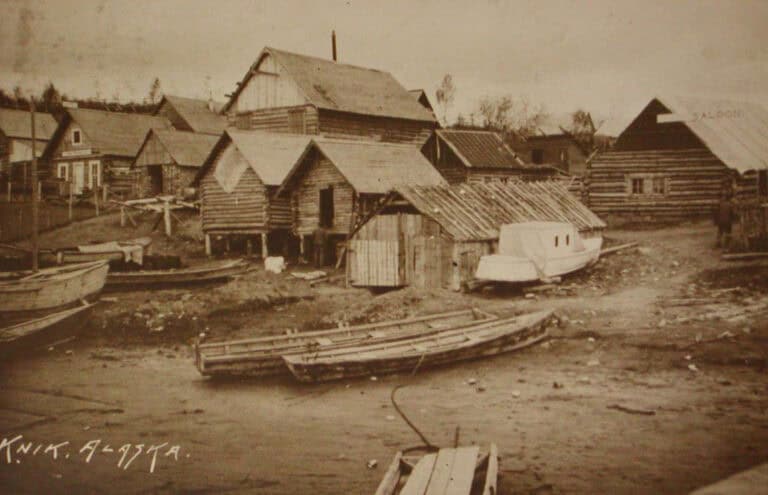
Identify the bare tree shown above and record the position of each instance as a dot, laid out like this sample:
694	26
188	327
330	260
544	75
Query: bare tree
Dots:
510	116
444	96
155	91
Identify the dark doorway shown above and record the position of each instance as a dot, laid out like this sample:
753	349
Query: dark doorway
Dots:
326	207
155	173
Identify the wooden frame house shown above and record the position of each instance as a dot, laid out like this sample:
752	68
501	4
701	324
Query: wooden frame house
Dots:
336	183
95	148
238	187
433	237
16	140
678	156
169	160
287	92
192	115
477	156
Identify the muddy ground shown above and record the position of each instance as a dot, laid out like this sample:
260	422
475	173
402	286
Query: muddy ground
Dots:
655	382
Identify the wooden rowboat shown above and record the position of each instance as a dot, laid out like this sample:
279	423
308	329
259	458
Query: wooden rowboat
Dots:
208	273
42	331
261	356
459	471
444	347
51	288
113	251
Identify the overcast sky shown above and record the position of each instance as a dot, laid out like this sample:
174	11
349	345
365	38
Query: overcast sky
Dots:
609	57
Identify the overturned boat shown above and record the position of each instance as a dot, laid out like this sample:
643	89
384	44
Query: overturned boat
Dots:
532	251
259	357
181	276
439	348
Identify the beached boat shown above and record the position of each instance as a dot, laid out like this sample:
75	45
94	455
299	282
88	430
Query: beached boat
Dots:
42	331
459	471
259	357
533	251
181	276
440	348
132	251
51	288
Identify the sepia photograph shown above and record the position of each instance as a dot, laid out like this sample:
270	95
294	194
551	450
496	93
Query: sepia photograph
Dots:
414	247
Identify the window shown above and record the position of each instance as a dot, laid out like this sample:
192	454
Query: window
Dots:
326	207
563	156
637	186
537	156
62	171
762	182
94	174
567	239
659	185
557	241
77	137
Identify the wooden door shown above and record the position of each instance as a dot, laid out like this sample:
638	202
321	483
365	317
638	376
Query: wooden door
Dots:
78	177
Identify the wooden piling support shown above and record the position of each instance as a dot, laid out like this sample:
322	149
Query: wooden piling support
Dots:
264	247
208	245
122	216
167	218
10	187
249	247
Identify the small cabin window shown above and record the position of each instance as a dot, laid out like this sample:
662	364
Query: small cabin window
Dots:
63	171
659	185
77	137
557	240
638	186
326	207
762	182
567	239
537	156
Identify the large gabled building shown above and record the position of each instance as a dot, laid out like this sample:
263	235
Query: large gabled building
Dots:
16	138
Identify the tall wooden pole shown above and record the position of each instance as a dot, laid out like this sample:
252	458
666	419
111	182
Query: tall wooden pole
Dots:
35	191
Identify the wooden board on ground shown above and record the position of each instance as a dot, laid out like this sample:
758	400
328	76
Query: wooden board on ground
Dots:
453	472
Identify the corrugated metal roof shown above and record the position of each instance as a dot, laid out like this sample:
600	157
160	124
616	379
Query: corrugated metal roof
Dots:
736	132
476	211
197	114
17	124
188	149
374	167
346	88
270	155
116	133
482	149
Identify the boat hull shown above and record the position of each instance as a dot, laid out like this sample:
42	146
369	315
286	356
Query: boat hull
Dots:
483	340
503	268
53	289
262	357
41	331
175	277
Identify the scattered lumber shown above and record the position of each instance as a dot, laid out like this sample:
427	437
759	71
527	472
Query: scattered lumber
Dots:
615	249
744	256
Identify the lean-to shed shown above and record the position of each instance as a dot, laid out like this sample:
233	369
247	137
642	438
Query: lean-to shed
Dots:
169	160
337	182
434	236
238	184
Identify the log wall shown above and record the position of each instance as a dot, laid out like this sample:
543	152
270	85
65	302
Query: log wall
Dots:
302	119
356	126
319	174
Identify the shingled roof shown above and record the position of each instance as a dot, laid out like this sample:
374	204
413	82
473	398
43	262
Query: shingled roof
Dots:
331	85
375	168
480	149
476	211
112	133
188	149
197	114
17	124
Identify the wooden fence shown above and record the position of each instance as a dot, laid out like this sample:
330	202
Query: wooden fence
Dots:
16	218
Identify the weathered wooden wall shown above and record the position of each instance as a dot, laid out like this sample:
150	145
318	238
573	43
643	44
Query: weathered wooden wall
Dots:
350	125
301	119
645	134
170	113
442	157
319	174
694	181
269	87
279	210
242	211
551	148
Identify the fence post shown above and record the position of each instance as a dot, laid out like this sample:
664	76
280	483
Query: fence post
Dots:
10	186
96	198
167	217
105	191
122	216
71	200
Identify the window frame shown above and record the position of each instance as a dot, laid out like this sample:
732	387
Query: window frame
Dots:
65	168
649	184
91	163
79	134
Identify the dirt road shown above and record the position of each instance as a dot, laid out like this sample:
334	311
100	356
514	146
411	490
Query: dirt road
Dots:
655	383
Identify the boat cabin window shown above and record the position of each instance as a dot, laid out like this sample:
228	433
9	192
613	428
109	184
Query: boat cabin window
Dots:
557	240
567	239
326	207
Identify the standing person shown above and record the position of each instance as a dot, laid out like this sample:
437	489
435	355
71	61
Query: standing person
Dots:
724	215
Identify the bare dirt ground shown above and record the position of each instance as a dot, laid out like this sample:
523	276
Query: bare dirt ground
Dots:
654	383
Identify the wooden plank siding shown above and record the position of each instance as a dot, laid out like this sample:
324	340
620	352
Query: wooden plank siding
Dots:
385	129
442	157
320	174
693	180
301	119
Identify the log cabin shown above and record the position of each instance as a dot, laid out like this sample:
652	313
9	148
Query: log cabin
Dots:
169	160
338	182
16	141
559	142
238	184
433	237
95	148
193	115
292	93
477	156
676	158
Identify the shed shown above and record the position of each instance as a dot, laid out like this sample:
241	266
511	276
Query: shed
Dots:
676	158
434	236
300	94
169	160
337	182
193	115
477	156
238	185
93	148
